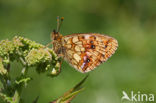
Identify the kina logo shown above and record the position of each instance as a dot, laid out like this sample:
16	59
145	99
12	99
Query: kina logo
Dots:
137	97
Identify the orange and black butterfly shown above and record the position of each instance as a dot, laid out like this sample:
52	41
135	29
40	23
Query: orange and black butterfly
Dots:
84	51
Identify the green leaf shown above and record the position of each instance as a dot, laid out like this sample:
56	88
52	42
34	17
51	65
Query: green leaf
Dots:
36	99
69	95
16	98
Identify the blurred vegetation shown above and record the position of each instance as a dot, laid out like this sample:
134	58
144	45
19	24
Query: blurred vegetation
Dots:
29	54
131	22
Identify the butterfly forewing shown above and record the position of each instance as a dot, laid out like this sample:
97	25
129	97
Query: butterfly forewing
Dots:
86	51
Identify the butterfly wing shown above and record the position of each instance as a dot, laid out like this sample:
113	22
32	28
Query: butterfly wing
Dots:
86	51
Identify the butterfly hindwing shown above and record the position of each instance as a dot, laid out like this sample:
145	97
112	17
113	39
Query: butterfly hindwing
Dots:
86	51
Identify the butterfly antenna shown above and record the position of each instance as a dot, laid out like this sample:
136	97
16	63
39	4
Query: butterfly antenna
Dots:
59	24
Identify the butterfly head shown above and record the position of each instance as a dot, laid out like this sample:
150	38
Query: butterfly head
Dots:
56	36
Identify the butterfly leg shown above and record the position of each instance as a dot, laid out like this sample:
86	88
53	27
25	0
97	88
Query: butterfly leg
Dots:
48	44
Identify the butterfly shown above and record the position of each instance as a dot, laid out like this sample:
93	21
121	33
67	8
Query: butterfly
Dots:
84	51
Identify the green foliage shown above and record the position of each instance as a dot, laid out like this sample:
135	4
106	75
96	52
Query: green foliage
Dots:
29	53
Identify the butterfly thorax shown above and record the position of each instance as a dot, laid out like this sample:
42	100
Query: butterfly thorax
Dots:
57	45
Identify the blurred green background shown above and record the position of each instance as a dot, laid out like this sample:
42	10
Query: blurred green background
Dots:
131	22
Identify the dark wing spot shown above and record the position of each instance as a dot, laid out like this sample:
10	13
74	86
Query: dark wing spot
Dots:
93	46
100	61
83	37
107	43
94	38
88	60
86	64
